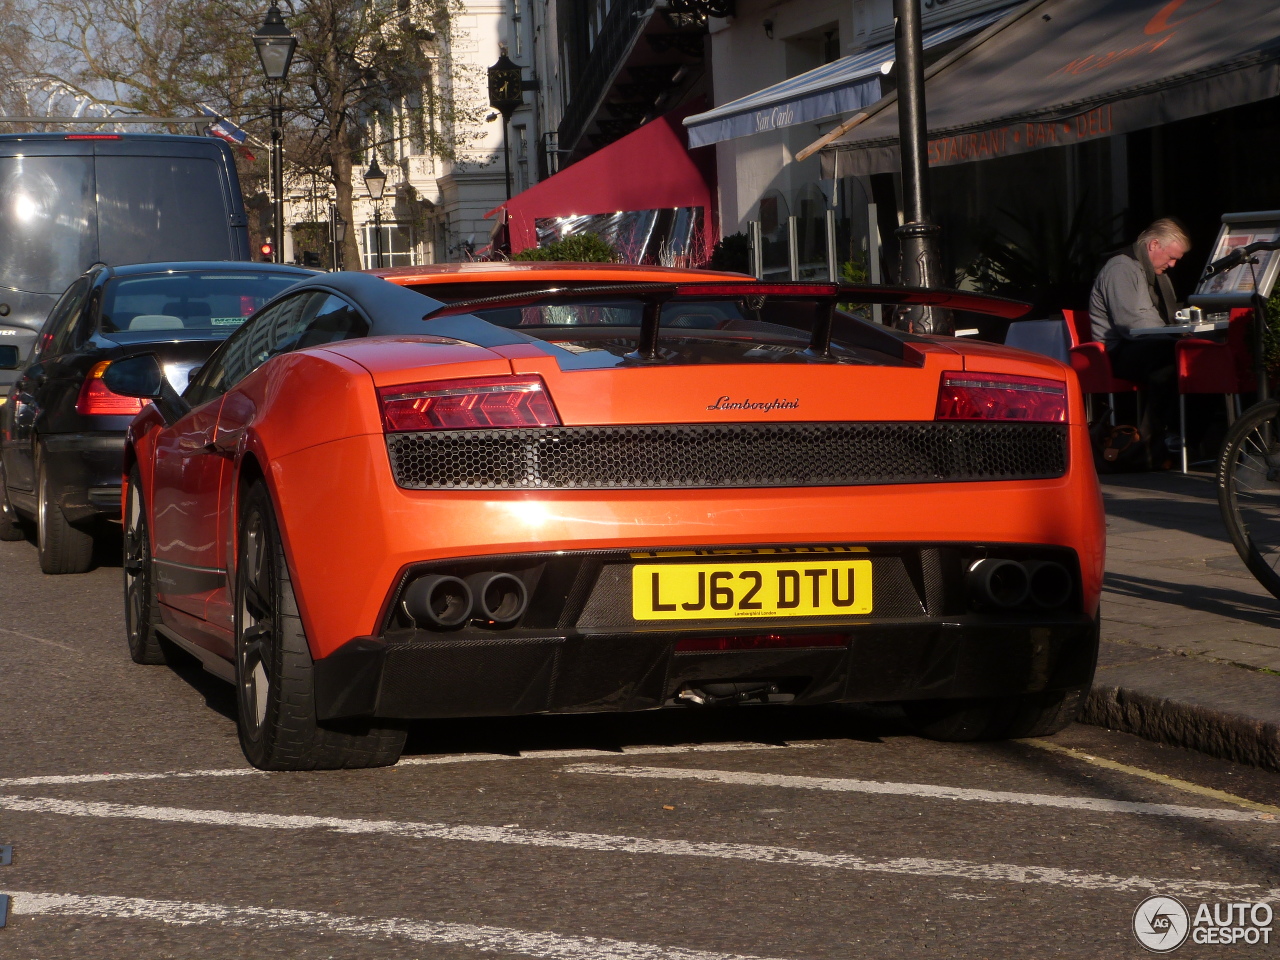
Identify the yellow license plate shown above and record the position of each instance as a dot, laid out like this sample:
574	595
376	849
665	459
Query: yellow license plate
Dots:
730	591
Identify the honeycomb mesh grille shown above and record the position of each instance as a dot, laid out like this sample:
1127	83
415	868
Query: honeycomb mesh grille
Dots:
726	455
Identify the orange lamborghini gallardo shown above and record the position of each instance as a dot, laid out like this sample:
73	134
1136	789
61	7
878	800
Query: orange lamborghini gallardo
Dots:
498	489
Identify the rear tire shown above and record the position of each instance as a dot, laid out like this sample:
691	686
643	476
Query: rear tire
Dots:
996	718
62	547
141	608
275	694
11	527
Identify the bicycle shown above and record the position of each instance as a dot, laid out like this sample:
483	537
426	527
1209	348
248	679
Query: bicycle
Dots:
1248	475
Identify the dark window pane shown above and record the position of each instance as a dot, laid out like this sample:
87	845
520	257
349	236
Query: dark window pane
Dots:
46	231
161	209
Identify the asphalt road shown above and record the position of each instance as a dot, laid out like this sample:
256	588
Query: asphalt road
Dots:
139	831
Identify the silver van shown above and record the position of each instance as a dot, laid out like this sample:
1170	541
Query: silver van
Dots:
68	201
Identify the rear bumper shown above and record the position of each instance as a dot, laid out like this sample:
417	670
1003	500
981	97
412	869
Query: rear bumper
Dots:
84	473
927	659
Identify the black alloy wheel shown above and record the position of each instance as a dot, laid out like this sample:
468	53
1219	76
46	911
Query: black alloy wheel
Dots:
141	608
274	690
11	527
61	546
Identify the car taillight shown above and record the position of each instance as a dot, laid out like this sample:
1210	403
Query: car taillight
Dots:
1001	396
475	404
96	399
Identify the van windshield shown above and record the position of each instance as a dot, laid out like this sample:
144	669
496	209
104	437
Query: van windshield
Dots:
47	230
188	305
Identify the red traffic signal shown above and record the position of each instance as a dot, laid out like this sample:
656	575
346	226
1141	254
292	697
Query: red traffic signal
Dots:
267	250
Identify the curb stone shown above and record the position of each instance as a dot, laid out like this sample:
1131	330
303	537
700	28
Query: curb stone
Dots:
1222	710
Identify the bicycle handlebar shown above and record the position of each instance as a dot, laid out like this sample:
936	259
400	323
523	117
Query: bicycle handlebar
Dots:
1238	255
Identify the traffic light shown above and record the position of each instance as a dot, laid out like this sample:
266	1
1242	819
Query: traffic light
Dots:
268	251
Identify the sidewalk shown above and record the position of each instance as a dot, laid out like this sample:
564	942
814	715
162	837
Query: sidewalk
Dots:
1191	641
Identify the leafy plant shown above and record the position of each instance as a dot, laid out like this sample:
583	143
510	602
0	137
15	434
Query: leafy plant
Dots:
1043	258
855	270
732	253
579	248
1271	336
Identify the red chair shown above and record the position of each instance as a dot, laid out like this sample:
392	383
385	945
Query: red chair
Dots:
1206	366
1090	361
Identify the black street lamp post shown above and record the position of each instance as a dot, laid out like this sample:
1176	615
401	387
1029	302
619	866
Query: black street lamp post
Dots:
921	260
275	50
375	181
337	233
506	93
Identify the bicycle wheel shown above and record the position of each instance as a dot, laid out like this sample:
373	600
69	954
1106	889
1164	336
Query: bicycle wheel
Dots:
1249	491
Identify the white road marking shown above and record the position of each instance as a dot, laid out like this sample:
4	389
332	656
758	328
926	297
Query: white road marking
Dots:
64	779
489	939
610	843
603	754
929	790
57	780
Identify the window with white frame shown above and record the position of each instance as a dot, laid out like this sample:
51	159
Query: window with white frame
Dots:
396	243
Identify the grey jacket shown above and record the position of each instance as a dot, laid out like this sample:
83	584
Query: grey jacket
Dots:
1129	295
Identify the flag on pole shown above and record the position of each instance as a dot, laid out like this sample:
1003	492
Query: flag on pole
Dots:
224	129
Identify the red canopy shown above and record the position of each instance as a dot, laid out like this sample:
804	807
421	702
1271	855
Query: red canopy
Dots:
648	169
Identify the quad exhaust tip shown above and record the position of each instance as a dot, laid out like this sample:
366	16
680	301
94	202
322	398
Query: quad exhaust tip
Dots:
1005	584
441	602
497	597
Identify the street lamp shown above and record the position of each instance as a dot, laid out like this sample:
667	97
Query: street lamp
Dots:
337	234
275	50
375	181
506	93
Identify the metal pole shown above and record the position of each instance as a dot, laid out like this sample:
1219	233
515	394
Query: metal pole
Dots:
793	248
277	168
757	251
333	237
918	238
833	268
506	151
377	229
873	257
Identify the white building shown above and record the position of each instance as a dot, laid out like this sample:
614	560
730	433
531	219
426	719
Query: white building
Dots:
433	209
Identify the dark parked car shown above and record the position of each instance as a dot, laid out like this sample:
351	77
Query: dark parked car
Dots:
73	200
61	429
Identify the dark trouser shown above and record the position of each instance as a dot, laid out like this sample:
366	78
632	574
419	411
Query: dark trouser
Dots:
1151	363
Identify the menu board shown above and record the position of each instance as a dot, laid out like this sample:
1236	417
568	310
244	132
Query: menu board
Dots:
1235	287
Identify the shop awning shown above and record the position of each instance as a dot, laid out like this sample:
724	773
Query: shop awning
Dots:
1065	71
648	169
842	86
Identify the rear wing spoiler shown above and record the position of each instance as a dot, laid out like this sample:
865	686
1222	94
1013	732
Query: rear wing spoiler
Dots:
824	295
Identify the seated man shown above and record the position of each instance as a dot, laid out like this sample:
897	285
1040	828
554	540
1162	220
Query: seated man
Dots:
1133	292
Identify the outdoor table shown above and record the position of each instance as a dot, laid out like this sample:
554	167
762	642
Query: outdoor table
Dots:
1181	329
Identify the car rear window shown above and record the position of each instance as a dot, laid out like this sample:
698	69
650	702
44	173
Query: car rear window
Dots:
47	234
192	304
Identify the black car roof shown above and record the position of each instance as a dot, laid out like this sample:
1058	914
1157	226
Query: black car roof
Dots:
64	135
191	266
397	310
